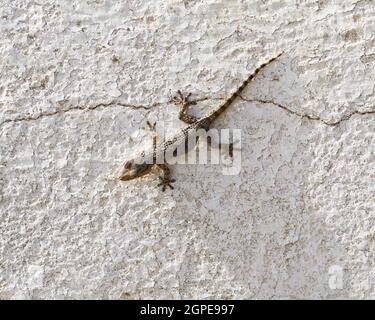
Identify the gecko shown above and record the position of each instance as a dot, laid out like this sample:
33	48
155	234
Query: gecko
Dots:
145	162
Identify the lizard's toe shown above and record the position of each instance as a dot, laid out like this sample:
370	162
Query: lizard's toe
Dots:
151	126
166	182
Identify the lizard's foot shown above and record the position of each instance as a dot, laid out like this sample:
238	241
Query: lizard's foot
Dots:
184	102
166	182
181	99
151	126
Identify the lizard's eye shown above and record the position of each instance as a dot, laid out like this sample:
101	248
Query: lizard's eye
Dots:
128	165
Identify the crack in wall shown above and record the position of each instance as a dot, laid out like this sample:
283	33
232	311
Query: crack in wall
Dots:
85	108
307	116
156	104
81	108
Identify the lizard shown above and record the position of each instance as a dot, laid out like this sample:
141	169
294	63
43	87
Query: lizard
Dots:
146	161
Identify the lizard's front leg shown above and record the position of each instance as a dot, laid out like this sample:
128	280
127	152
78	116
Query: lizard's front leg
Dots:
184	102
166	180
152	128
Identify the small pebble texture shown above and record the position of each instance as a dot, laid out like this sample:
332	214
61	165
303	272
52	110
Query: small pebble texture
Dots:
79	81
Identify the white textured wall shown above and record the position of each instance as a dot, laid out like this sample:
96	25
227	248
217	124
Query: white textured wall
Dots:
79	80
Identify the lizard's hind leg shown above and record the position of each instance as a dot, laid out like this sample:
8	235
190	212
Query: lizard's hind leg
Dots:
228	147
184	102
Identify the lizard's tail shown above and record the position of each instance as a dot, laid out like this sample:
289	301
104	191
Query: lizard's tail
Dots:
234	95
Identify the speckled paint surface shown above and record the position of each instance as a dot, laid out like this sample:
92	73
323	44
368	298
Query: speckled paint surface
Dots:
79	80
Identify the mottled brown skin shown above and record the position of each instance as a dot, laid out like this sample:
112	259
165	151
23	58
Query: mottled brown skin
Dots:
139	167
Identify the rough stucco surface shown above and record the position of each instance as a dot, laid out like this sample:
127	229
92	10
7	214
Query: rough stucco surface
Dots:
79	80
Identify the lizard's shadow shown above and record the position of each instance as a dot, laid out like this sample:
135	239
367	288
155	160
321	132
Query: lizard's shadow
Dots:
256	233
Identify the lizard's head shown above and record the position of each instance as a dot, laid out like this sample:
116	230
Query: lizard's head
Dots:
131	170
